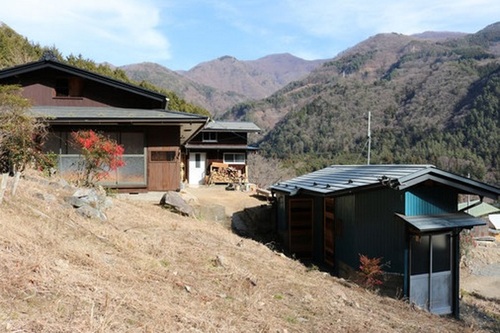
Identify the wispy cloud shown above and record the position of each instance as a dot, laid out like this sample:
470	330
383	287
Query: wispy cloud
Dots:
126	28
184	33
334	18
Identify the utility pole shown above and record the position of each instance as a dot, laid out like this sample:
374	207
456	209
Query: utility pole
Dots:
369	138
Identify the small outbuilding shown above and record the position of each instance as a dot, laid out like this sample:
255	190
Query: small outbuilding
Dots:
405	214
219	153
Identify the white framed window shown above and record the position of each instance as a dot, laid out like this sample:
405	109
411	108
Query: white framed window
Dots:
209	136
234	158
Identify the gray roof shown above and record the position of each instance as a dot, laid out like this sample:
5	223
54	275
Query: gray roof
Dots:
341	179
428	223
189	123
60	113
231	126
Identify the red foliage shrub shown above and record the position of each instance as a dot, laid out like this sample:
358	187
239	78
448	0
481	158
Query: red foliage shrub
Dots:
100	155
371	271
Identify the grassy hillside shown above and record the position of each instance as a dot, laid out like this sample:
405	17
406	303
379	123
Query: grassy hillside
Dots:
431	101
148	270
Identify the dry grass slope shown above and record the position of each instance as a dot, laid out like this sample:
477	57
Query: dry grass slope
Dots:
148	270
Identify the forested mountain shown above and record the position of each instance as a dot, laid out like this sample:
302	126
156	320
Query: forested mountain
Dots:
431	101
219	84
16	50
433	98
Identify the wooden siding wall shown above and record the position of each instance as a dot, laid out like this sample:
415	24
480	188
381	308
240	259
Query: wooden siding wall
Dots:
163	136
39	88
225	138
300	227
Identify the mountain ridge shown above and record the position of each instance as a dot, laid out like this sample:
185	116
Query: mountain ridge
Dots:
223	82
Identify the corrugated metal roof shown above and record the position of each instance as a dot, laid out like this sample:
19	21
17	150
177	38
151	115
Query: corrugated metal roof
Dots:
338	179
111	113
341	178
429	223
231	126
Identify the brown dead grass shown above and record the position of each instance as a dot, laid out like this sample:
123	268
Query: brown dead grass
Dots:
149	270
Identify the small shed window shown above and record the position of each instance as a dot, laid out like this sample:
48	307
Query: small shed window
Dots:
234	158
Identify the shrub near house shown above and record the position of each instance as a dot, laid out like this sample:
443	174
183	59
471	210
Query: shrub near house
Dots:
100	155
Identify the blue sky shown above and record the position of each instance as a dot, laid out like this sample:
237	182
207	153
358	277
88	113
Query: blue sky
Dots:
179	34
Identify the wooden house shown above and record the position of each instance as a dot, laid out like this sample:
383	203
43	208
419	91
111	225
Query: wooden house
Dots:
405	214
218	154
70	98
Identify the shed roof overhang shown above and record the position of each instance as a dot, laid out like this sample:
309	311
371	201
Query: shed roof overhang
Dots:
442	222
463	184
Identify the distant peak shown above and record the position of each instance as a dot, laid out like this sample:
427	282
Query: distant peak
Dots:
227	57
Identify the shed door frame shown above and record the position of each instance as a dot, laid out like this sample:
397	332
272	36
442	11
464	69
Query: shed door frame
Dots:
300	227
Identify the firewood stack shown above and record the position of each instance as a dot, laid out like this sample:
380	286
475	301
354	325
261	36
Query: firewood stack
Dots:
223	173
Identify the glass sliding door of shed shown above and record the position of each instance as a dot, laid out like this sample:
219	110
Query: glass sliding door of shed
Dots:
430	272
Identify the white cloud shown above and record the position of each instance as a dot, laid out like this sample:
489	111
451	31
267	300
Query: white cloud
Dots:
127	31
335	18
117	31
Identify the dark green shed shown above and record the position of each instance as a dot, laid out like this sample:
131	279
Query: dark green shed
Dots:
406	214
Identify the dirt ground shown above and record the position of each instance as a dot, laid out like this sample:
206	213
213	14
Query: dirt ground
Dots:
233	201
479	275
480	272
151	270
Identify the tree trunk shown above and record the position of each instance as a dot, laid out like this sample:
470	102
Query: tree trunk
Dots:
17	176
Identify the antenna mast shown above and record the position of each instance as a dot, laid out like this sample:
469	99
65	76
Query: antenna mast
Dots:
369	137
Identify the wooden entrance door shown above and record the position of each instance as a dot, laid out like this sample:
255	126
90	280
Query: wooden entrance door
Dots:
301	228
163	169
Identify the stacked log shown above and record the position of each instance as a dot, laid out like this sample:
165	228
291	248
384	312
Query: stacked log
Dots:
223	173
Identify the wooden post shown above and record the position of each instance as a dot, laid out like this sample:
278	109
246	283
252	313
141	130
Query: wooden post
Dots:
16	182
3	185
